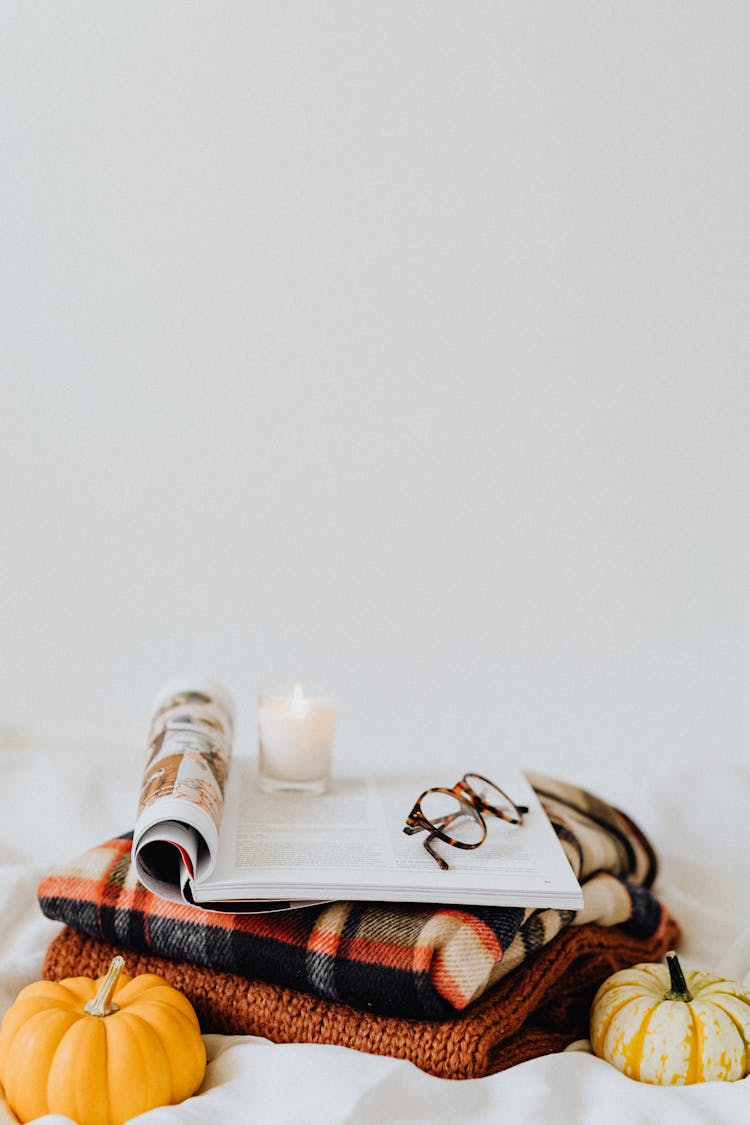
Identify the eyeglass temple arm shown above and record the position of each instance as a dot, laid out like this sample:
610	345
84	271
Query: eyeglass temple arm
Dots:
439	822
412	829
522	809
438	858
445	821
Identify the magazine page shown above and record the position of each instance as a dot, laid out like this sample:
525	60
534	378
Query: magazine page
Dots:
349	844
181	802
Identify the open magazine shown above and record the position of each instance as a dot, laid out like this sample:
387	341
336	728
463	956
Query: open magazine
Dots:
207	835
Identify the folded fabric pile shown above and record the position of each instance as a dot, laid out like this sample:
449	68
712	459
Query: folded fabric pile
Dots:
460	991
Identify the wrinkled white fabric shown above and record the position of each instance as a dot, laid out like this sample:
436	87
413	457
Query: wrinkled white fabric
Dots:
59	799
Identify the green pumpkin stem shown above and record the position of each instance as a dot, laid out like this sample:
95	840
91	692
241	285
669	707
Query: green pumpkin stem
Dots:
102	1004
679	988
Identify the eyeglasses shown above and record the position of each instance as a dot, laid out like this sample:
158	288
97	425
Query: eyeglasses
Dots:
461	809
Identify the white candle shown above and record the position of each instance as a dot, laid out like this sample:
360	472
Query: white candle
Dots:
296	726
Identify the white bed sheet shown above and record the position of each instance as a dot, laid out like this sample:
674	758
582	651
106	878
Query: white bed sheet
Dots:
60	797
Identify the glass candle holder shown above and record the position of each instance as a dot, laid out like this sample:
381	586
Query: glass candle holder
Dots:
296	727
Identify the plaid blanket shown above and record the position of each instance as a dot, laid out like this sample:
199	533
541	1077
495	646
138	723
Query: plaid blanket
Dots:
394	959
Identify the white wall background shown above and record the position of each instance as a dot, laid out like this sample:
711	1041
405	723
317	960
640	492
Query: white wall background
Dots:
399	345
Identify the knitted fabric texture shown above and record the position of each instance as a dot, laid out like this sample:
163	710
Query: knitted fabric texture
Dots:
392	958
537	1010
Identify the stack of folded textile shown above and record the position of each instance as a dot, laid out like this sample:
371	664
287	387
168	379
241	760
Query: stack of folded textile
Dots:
460	991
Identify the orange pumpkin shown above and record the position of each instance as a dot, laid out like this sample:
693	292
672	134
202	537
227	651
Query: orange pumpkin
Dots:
100	1051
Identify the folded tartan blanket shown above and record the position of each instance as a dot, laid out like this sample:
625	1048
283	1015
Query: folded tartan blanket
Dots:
394	959
539	1009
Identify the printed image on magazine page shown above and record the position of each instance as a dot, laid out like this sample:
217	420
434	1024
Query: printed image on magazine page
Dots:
183	786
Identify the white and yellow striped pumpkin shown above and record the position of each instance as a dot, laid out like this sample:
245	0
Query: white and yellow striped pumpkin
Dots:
659	1024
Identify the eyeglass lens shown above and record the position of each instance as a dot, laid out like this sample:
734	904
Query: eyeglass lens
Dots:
491	795
453	817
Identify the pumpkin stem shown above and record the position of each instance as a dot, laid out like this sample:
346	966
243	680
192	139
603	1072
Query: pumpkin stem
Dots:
102	1004
679	988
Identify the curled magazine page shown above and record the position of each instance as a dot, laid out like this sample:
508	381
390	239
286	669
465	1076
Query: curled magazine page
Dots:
182	791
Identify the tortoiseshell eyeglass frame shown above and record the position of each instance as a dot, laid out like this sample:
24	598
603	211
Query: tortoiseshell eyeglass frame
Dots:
472	805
